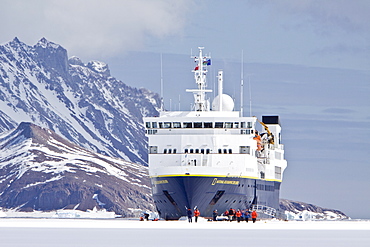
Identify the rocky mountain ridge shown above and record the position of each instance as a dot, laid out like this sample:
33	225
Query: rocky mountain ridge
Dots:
81	102
40	170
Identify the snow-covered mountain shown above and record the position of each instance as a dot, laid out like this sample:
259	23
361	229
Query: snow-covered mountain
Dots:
295	210
81	102
40	170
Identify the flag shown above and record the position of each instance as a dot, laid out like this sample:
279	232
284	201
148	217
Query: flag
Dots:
196	68
207	62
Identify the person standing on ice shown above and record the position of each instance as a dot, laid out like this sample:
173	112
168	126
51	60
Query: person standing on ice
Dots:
196	214
190	215
238	215
215	214
247	215
254	216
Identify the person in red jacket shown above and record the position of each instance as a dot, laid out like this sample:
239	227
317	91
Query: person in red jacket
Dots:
196	214
238	215
254	216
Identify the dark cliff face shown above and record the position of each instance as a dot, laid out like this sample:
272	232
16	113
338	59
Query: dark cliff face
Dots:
40	170
81	102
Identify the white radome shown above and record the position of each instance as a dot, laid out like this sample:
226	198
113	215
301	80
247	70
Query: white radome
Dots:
227	103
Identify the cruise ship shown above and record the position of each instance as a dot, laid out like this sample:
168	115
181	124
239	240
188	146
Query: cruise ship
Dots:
212	157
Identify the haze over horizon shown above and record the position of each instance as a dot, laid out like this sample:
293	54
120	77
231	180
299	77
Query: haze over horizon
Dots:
307	61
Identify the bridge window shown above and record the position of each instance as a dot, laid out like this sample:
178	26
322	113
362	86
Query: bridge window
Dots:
147	125
198	125
202	151
208	151
219	124
160	125
186	150
236	125
165	151
169	151
153	149
225	151
243	125
191	150
197	151
177	125
154	125
174	150
230	151
208	125
219	151
188	125
228	125
167	125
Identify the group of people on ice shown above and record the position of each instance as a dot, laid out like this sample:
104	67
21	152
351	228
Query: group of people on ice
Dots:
232	214
241	215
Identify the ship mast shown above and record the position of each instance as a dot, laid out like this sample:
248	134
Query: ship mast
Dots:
200	72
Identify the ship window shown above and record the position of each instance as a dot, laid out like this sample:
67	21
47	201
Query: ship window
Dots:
186	150
147	125
219	124
244	149
153	149
198	125
177	125
174	150
249	124
225	151
230	151
191	150
165	151
208	151
169	151
219	151
160	125
167	125
236	125
277	172
242	125
208	125
228	125
197	151
202	151
188	125
154	125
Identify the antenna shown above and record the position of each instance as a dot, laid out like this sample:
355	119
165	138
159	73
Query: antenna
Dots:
179	102
242	85
162	103
250	96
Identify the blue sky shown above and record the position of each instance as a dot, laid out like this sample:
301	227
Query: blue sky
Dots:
307	61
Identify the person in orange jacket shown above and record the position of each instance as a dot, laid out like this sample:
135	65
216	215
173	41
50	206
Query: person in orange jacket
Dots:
238	215
196	214
257	137
254	216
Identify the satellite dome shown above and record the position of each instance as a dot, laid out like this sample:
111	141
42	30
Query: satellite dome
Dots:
227	103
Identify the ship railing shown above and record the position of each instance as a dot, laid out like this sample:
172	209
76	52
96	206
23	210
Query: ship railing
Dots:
265	210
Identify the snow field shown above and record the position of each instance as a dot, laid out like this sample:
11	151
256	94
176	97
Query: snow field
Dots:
30	232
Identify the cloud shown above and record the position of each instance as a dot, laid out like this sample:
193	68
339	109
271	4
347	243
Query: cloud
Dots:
349	16
92	27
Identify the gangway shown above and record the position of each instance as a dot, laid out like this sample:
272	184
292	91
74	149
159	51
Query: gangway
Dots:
264	209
